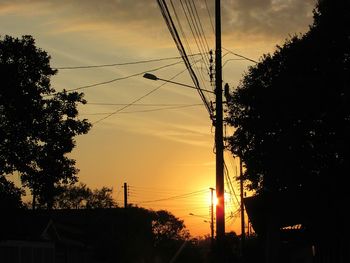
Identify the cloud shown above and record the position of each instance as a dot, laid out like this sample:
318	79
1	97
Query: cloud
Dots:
260	18
160	128
23	8
243	21
267	18
117	12
191	135
250	27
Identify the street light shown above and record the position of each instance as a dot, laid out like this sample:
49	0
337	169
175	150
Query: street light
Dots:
211	222
191	214
154	77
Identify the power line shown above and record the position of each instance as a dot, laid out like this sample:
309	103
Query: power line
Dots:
175	197
210	18
122	78
167	17
229	182
191	22
143	111
202	51
121	64
139	104
201	31
185	38
183	33
157	190
138	99
206	61
241	56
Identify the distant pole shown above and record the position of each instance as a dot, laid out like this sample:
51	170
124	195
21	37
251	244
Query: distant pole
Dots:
219	144
242	204
34	200
125	195
248	229
212	216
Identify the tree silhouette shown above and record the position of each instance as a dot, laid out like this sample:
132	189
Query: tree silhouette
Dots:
82	197
292	110
169	234
10	195
37	124
72	197
167	227
101	198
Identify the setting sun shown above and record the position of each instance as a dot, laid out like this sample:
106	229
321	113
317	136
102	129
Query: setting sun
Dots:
227	197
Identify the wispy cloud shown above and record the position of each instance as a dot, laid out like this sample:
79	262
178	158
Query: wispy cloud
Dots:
163	129
192	135
25	8
241	18
267	18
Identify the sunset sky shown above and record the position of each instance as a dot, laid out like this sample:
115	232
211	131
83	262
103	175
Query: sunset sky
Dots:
163	145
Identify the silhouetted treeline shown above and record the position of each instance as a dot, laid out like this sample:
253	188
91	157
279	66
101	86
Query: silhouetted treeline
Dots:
291	112
98	235
37	124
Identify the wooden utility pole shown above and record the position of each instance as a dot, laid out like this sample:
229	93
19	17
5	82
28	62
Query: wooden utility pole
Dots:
125	195
242	205
212	217
219	143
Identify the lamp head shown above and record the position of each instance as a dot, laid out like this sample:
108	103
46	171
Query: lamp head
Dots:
150	76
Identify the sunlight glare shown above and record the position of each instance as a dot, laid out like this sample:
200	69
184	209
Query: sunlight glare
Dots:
208	199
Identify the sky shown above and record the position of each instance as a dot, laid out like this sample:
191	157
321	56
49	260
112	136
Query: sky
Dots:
155	136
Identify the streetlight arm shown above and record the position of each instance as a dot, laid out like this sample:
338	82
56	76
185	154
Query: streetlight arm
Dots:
153	77
191	214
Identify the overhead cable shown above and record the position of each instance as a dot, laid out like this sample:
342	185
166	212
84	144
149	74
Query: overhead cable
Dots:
210	18
122	78
201	52
175	197
149	110
166	15
121	64
238	55
191	22
229	182
137	100
139	104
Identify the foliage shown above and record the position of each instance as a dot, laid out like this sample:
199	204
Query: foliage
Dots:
169	234
72	197
101	198
10	195
81	197
292	110
37	124
168	227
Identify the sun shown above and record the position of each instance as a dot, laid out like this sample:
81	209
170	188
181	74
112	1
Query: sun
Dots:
227	197
208	199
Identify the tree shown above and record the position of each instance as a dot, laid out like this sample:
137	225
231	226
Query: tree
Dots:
292	119
292	111
37	124
169	234
10	195
72	197
101	198
168	227
82	197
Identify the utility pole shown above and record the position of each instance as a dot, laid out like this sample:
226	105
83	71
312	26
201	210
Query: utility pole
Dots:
125	195
219	144
242	206
212	217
